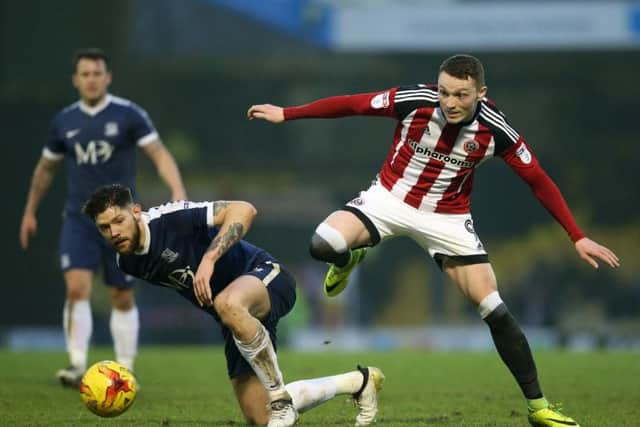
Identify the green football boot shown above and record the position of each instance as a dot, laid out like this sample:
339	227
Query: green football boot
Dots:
337	278
550	417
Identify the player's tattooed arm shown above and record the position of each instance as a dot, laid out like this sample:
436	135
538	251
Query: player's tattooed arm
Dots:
234	220
202	280
222	242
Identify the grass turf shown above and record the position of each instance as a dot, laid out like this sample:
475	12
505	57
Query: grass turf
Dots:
187	386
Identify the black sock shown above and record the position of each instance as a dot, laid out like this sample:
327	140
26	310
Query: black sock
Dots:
514	350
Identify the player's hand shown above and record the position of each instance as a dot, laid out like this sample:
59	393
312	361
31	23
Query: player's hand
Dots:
28	228
201	286
268	112
590	250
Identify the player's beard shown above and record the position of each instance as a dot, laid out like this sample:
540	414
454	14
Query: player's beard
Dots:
134	243
135	239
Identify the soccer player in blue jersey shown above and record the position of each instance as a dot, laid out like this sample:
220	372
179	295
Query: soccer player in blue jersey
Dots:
97	136
197	250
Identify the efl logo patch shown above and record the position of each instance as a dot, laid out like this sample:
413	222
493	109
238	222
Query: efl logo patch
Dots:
524	154
111	129
471	146
381	100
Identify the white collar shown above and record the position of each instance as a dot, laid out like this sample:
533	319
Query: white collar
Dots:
92	111
147	235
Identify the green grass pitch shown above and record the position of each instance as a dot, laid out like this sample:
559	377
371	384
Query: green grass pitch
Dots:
187	386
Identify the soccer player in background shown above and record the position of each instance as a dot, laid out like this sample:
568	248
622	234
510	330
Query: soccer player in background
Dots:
98	136
444	132
196	248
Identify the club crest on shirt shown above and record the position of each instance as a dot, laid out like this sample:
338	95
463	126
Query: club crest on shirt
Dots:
169	256
111	129
470	146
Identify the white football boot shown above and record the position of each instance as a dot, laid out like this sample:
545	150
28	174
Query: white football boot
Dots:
367	398
283	414
70	377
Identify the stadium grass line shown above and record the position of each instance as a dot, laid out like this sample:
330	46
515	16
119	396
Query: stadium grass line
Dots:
188	386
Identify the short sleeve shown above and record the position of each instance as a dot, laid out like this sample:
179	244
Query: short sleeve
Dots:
143	130
54	148
185	216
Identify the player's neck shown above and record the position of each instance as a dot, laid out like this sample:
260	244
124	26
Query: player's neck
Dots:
143	236
94	104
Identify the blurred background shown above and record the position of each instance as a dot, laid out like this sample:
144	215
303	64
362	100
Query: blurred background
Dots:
564	72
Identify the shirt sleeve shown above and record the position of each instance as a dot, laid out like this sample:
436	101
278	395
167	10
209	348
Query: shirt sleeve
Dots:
186	216
142	128
524	163
361	104
54	148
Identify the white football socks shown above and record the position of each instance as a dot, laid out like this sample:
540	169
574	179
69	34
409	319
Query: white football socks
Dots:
307	394
78	325
125	326
261	356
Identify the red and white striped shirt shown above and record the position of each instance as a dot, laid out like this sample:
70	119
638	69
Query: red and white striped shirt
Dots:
431	163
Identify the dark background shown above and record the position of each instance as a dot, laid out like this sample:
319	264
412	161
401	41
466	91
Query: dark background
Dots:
196	69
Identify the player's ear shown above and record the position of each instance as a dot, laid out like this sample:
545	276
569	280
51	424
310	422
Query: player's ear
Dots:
482	92
108	77
137	210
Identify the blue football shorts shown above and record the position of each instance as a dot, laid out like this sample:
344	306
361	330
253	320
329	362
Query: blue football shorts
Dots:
82	247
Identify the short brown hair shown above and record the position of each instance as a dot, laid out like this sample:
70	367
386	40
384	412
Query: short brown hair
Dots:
92	53
105	197
464	66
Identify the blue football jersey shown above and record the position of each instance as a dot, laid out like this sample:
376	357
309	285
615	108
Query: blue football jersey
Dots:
177	236
98	144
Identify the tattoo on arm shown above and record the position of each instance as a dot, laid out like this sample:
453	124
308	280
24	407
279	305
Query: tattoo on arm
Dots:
218	206
223	242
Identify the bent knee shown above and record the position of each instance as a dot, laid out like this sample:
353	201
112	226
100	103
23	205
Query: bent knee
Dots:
327	244
227	308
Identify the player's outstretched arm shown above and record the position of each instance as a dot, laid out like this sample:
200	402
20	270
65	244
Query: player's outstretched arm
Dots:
590	251
268	112
43	174
167	168
234	219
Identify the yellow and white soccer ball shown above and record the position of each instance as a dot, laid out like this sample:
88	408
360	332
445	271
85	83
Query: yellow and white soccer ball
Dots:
108	388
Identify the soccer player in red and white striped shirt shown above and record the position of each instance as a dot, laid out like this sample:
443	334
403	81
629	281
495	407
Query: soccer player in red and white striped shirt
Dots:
444	132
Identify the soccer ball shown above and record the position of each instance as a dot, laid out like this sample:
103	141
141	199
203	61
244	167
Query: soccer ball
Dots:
108	389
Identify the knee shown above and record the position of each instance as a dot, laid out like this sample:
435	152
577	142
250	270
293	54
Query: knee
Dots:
327	244
227	308
78	287
122	299
319	249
